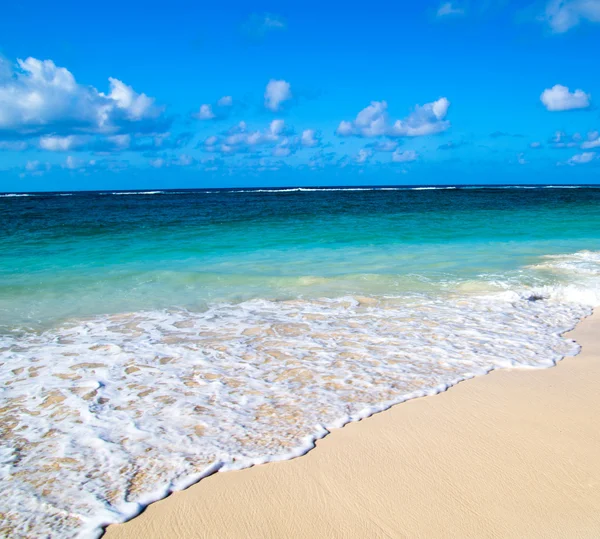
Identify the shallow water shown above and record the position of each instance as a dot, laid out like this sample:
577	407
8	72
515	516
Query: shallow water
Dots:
147	339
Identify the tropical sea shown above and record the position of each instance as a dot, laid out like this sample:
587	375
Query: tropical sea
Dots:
148	339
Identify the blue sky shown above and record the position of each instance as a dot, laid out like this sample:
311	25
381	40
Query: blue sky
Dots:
131	95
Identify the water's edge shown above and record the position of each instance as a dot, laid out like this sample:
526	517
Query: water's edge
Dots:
312	443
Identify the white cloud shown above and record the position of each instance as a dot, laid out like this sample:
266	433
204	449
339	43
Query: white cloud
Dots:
521	159
448	8
282	151
61	144
559	98
32	165
205	113
562	15
535	145
373	121
582	158
385	146
593	141
13	145
72	163
185	160
225	101
309	139
39	98
562	140
404	157
276	93
159	162
364	155
35	168
345	129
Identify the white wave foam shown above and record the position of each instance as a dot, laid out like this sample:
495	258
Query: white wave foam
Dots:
9	195
430	188
137	193
103	416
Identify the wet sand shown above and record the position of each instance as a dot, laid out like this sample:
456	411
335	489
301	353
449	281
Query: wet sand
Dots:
512	454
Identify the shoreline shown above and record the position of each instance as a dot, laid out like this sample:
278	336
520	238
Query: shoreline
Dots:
291	487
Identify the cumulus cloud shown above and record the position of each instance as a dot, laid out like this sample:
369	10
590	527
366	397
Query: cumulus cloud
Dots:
205	113
240	139
277	137
562	15
225	101
220	109
276	93
373	121
535	145
62	144
559	98
582	158
447	8
404	157
309	138
593	141
384	146
521	159
40	99
73	163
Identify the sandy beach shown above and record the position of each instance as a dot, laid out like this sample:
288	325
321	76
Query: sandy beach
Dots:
512	454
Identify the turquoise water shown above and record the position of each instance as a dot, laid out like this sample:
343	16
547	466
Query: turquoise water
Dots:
148	339
88	254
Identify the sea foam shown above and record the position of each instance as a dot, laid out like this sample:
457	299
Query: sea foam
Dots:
102	416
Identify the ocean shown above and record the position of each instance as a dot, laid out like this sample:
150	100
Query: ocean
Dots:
149	338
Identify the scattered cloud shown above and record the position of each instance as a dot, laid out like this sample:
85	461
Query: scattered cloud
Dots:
36	168
277	138
373	121
73	163
309	138
276	93
559	98
582	158
561	140
158	162
536	145
13	145
593	141
383	146
205	113
218	110
404	157
521	159
364	155
447	8
257	26
61	144
562	15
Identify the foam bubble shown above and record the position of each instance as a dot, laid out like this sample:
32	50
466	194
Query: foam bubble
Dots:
102	416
